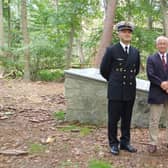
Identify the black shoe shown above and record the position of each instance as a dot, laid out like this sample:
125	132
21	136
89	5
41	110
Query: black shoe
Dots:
114	150
128	148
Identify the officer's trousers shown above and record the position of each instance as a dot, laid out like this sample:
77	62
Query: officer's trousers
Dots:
119	110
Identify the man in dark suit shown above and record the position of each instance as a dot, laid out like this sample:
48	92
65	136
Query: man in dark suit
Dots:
119	67
157	72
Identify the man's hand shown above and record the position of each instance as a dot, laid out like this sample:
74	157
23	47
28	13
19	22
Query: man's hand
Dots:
164	85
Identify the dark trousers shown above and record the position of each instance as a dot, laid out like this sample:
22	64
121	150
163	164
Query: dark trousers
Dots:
119	110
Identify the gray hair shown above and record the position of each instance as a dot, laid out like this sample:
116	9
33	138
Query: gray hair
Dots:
161	38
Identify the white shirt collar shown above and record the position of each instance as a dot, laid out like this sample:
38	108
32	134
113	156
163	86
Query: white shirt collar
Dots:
164	56
123	45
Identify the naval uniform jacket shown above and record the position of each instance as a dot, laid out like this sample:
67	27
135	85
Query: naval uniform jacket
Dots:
120	70
156	74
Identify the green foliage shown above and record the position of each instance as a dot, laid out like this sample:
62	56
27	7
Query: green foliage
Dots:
50	75
49	27
36	148
45	54
59	115
69	128
12	65
99	164
83	130
68	164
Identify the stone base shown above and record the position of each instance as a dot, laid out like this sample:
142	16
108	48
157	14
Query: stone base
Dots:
86	94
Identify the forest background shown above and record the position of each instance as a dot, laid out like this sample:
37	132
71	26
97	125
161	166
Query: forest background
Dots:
39	39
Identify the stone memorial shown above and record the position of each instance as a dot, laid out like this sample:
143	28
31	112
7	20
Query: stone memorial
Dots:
86	96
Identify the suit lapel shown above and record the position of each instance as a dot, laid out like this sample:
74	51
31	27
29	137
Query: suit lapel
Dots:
167	66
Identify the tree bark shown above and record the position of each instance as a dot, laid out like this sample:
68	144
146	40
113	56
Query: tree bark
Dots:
25	40
9	25
69	49
107	31
165	16
150	23
1	26
81	55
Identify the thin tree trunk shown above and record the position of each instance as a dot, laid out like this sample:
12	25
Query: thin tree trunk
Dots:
81	55
1	26
105	6
9	25
107	31
2	41
25	40
56	2
165	16
69	49
150	22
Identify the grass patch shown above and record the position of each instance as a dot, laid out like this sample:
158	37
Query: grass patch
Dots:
82	130
68	164
69	128
85	131
99	164
36	148
59	115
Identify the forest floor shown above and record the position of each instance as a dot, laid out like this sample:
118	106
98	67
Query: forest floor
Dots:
31	136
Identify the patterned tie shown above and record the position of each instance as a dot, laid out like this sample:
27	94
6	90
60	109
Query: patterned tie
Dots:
164	62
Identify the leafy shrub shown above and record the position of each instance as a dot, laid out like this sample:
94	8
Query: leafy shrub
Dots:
50	75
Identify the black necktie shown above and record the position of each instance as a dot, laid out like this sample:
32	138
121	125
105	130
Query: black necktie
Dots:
126	49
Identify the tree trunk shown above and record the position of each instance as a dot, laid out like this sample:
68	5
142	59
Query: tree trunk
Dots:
107	31
69	48
81	55
150	23
25	40
1	26
2	42
9	25
56	2
105	6
165	16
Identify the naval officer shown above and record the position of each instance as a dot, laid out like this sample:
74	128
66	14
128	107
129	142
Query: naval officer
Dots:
119	67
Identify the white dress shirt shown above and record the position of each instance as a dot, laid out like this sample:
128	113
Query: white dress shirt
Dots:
165	56
123	46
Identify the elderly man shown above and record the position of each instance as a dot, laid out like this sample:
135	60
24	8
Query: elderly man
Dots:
157	72
119	67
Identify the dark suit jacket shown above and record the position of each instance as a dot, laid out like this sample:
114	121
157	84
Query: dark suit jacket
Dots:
156	75
120	70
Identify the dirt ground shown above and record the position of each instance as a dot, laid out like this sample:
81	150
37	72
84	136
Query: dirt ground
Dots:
31	137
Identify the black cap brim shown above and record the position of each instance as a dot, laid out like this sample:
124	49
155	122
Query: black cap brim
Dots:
125	28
